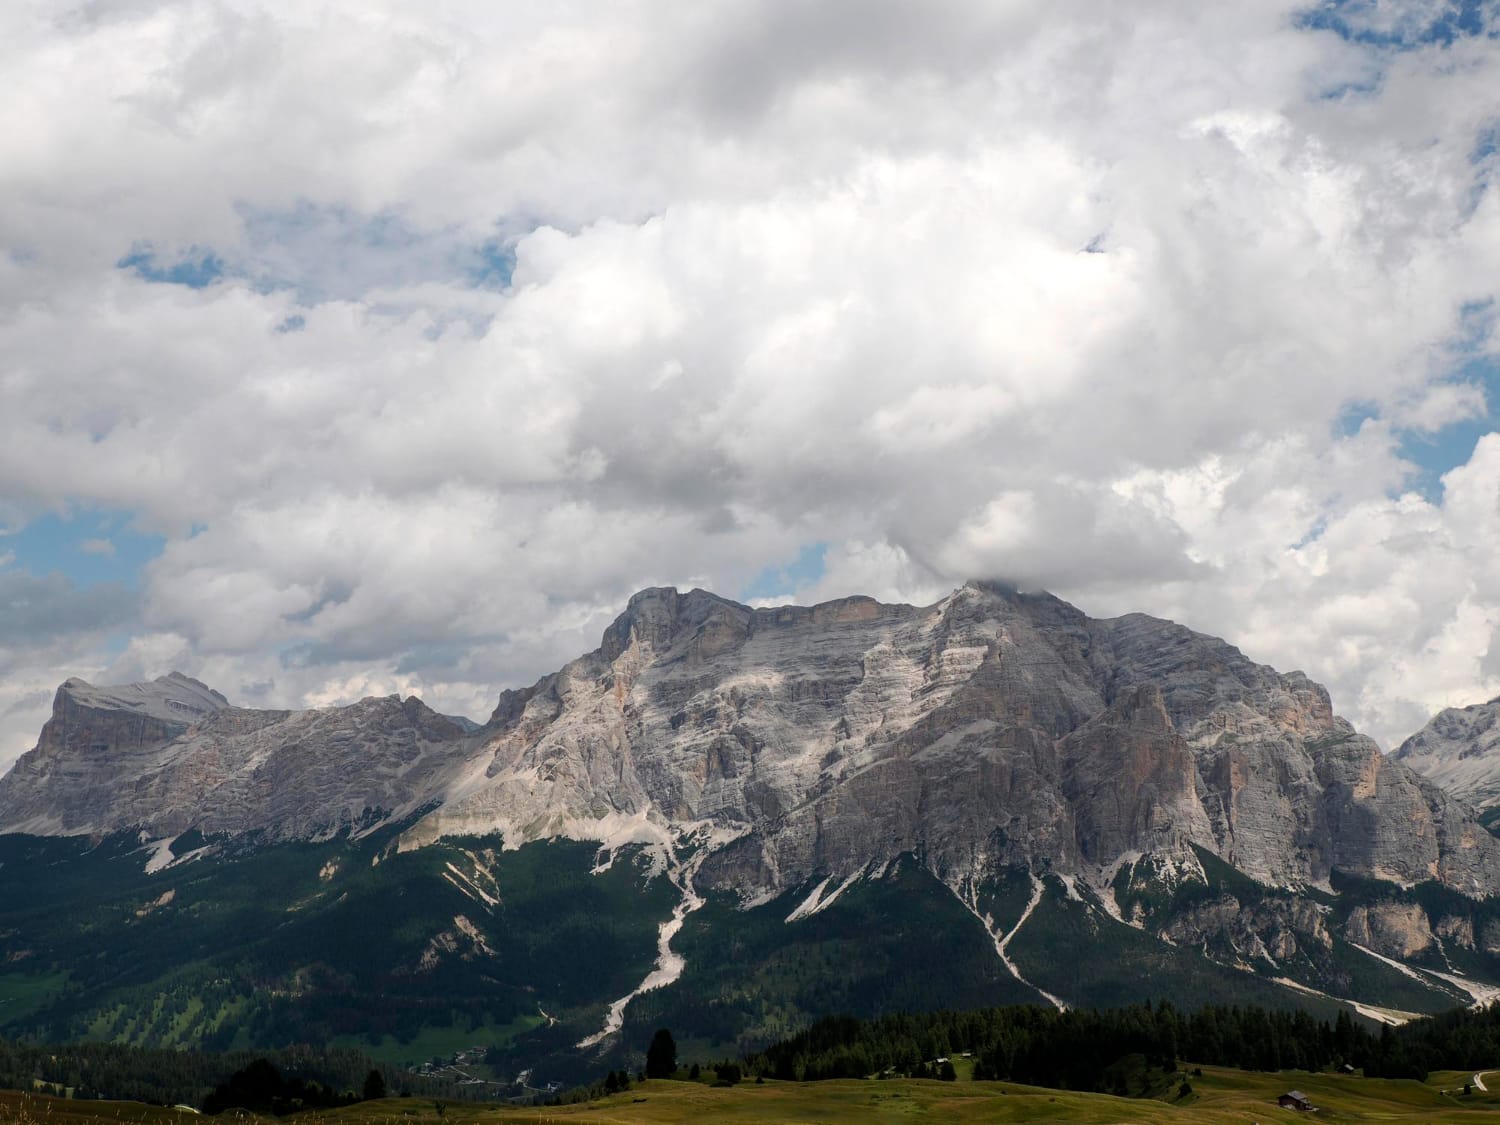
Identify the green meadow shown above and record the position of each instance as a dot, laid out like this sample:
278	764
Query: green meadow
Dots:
1218	1095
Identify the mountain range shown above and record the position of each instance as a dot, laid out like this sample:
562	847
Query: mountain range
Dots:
733	819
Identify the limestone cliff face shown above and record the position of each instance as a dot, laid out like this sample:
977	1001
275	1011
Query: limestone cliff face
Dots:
994	728
1399	930
1131	781
1459	750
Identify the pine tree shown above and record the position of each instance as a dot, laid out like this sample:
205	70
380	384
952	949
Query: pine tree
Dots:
374	1088
661	1056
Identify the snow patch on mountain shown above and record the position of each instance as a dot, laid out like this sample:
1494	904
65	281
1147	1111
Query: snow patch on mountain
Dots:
817	901
161	855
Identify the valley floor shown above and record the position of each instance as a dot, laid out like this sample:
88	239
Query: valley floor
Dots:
1219	1095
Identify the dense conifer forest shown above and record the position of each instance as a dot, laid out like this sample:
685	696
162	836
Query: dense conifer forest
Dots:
1076	1049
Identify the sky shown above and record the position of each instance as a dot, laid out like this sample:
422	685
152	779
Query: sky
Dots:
354	349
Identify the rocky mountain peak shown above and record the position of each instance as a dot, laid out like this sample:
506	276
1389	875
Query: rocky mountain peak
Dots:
994	727
1459	749
173	754
656	618
1038	603
173	697
87	719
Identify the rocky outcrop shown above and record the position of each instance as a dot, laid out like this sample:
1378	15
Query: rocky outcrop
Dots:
463	940
1455	929
1460	751
1275	930
994	728
1396	929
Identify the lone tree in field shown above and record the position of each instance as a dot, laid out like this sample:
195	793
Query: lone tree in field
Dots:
374	1086
661	1056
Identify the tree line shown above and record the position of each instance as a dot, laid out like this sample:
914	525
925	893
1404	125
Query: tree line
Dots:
164	1076
1075	1049
261	1088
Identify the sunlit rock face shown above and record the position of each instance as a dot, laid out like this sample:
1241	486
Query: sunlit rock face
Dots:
994	728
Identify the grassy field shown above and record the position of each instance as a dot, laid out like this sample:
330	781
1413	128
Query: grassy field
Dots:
21	994
1219	1095
17	1108
439	1042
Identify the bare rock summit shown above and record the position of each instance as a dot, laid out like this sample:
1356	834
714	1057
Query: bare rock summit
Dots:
1460	750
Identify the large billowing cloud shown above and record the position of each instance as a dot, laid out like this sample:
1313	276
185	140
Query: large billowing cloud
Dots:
426	333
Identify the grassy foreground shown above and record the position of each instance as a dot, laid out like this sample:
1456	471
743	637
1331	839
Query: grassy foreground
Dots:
1220	1095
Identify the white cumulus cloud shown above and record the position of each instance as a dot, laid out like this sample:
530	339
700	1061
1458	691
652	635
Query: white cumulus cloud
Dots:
513	310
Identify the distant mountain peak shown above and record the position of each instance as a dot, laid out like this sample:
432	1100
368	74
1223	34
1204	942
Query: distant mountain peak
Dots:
1459	749
174	697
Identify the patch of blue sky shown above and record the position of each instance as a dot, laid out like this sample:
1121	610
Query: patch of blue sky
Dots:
1435	453
1351	88
90	548
1400	25
1355	415
493	265
116	643
1487	144
324	252
1472	361
332	252
783	581
196	267
1483	157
